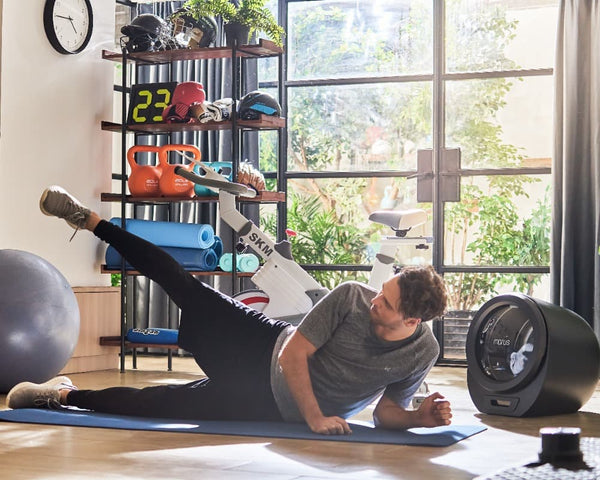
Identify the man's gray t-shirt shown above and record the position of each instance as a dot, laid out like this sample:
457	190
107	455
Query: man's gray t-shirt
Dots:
352	367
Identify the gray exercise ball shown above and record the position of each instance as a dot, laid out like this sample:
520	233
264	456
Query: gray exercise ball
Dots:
39	319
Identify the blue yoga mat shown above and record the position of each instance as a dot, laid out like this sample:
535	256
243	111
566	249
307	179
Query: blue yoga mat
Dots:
218	246
170	234
434	437
205	260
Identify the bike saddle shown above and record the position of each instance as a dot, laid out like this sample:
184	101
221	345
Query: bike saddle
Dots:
400	220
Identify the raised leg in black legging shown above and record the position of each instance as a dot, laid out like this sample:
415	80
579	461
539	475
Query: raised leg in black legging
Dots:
227	339
151	261
232	343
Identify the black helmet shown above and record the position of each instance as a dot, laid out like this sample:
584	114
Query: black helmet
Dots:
254	103
191	32
147	33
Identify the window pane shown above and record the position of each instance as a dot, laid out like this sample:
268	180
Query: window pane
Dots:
331	220
337	38
364	127
267	142
487	35
469	291
500	221
501	122
267	68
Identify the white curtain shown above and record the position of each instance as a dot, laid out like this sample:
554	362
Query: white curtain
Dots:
576	166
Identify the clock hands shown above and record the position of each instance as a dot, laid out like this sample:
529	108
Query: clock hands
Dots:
69	18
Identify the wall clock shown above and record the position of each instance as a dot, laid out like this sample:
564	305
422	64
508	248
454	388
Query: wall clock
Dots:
68	24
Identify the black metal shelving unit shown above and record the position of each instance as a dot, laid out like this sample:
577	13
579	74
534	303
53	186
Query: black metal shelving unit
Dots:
237	54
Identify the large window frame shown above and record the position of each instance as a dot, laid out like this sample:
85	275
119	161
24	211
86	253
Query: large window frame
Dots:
439	79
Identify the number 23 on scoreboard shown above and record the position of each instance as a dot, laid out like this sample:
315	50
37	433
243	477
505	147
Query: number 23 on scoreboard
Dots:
148	100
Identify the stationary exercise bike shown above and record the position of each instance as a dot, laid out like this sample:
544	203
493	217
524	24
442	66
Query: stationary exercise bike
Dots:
285	290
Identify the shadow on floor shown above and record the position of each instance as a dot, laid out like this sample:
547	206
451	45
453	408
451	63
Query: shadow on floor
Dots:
588	422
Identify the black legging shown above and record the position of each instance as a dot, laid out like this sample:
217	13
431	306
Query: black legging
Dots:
231	342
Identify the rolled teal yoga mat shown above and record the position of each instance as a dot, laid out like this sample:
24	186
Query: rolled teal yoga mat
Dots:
171	234
433	437
205	260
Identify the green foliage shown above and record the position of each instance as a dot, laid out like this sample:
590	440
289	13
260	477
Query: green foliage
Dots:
498	237
252	13
484	33
322	239
115	279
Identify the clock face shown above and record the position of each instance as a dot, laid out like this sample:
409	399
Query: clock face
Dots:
68	24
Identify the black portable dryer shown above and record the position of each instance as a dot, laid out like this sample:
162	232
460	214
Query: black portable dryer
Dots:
527	357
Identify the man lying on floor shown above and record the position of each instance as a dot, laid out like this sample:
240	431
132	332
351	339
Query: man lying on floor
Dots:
354	346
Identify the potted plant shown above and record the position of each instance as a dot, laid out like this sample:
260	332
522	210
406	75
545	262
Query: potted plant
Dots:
240	18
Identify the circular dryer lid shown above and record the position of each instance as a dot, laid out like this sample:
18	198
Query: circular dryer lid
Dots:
506	343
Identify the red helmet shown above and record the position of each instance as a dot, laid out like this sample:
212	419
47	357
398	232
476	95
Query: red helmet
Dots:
185	95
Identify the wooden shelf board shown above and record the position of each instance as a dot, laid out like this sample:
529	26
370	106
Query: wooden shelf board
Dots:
116	342
264	197
266	122
200	273
264	48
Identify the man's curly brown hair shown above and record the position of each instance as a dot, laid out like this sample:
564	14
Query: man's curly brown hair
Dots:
422	293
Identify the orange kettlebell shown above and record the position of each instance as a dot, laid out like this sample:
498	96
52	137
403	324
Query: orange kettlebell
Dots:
143	180
171	184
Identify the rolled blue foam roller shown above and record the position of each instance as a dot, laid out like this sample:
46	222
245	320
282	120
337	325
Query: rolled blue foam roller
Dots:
247	262
226	262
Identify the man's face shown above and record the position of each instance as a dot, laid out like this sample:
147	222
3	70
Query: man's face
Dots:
384	306
388	323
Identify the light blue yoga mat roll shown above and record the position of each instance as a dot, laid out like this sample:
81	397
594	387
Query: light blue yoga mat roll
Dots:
171	234
205	260
246	262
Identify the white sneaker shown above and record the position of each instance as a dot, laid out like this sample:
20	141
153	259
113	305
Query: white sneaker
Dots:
57	202
38	395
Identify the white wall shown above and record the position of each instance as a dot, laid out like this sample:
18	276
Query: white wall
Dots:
51	108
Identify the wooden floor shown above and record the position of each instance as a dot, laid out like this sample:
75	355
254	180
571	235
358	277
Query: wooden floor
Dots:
67	453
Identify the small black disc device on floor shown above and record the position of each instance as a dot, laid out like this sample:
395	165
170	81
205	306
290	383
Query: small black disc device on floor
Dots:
527	357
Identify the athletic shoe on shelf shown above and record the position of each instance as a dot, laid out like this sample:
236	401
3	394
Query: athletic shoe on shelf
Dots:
38	395
57	202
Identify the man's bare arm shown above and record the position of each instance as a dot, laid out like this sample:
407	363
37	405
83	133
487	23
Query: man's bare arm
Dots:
433	412
294	362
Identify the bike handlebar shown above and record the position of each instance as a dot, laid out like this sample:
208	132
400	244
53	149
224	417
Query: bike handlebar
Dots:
226	185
